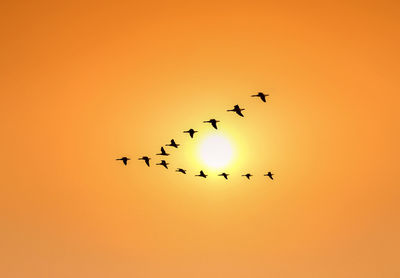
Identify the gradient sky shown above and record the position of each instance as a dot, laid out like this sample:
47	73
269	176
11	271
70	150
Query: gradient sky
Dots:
83	83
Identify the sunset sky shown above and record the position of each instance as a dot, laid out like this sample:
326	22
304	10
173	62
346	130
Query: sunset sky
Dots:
85	82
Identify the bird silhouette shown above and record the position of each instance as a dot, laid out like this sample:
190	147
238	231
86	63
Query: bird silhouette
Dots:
163	152
261	95
213	122
237	109
202	174
163	163
247	176
191	132
173	144
146	159
225	175
124	160
181	170
269	174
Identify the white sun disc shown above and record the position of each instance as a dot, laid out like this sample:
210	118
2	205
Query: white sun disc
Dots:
216	151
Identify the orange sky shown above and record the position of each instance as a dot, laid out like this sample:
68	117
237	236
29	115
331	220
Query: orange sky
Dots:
83	83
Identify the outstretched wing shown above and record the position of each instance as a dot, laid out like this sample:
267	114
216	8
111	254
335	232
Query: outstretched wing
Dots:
214	124
239	113
262	97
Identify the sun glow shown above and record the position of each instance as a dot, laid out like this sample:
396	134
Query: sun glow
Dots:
216	151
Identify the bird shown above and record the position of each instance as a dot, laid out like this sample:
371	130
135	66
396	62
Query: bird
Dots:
124	159
202	174
269	174
261	95
181	170
163	152
146	159
225	175
191	132
247	176
163	163
173	144
213	122
237	109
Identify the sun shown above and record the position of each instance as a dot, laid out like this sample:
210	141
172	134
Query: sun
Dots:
216	151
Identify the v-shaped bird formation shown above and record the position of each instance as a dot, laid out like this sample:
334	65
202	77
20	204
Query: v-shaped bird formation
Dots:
191	133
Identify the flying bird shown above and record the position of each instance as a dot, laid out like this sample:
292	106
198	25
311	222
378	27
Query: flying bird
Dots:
237	109
213	122
163	152
163	163
247	176
124	159
191	132
225	175
261	95
146	159
173	144
202	174
181	170
269	174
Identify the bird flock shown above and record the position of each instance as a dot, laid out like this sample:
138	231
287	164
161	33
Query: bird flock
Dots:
191	133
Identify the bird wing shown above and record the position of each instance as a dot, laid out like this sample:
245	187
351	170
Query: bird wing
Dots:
239	113
147	162
262	97
125	161
214	124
